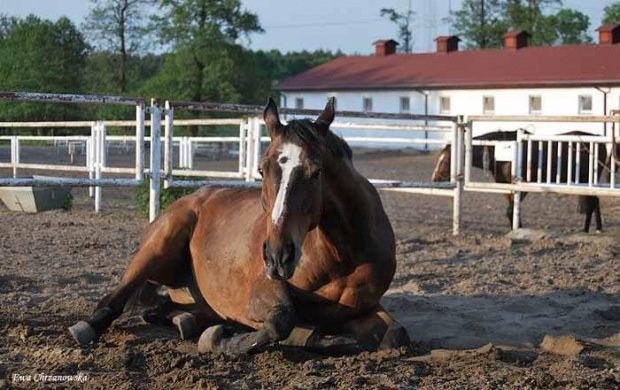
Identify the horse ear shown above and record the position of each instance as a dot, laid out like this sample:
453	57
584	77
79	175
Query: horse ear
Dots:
272	118
327	116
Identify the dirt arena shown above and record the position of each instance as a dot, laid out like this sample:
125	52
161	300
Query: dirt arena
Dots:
484	310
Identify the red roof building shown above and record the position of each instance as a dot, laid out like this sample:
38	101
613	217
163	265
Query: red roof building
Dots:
514	66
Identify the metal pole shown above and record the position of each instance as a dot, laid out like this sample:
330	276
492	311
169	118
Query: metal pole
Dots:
168	153
154	192
518	176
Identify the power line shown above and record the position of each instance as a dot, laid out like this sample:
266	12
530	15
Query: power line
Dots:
325	24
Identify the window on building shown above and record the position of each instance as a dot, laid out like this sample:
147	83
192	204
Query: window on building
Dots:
585	104
444	105
488	104
405	106
299	103
367	104
535	104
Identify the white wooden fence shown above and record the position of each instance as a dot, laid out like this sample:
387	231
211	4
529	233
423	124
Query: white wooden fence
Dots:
250	136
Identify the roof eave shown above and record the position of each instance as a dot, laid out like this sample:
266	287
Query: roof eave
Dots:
487	85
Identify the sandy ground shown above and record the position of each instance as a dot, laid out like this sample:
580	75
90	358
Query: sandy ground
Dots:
477	307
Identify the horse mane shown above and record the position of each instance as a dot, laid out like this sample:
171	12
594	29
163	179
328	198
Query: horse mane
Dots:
307	132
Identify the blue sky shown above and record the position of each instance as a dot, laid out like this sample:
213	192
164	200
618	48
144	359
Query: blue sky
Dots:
293	25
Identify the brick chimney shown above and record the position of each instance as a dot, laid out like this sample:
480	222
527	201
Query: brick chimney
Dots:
608	34
385	47
515	40
447	44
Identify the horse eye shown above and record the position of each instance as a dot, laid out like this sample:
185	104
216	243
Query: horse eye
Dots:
260	172
317	173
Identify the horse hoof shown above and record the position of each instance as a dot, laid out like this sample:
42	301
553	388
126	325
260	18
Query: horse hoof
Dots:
395	337
187	325
210	339
83	333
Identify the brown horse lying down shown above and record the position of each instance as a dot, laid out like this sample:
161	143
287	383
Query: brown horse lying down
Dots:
484	157
309	255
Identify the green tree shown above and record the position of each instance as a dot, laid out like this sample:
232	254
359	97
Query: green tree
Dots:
278	66
612	13
479	23
571	27
529	15
40	56
118	26
403	21
204	34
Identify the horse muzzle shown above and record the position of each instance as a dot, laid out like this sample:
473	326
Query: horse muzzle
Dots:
281	260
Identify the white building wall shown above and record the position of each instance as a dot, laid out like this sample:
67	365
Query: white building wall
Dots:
555	101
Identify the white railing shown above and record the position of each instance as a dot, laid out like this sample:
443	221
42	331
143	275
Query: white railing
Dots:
561	182
97	164
249	141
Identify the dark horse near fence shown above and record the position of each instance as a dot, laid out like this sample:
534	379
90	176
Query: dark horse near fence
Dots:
308	256
484	157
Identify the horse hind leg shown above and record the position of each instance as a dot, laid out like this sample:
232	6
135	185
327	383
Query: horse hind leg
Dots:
162	259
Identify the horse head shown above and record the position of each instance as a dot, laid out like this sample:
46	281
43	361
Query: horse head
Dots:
442	168
293	184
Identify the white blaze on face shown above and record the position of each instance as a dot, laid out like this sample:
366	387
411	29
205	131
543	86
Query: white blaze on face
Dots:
289	159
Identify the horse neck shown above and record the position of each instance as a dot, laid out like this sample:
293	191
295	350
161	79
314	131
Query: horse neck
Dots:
348	209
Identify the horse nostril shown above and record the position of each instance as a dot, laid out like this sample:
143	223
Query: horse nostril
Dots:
290	252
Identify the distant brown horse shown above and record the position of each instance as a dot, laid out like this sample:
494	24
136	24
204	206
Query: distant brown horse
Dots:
484	157
309	255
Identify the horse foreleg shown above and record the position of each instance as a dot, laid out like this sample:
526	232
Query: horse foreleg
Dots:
599	219
377	330
586	227
277	326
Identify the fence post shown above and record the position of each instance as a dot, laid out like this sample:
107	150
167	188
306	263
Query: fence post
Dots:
257	147
242	132
97	163
456	165
250	150
517	178
155	190
90	157
469	129
190	154
140	112
168	153
15	154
